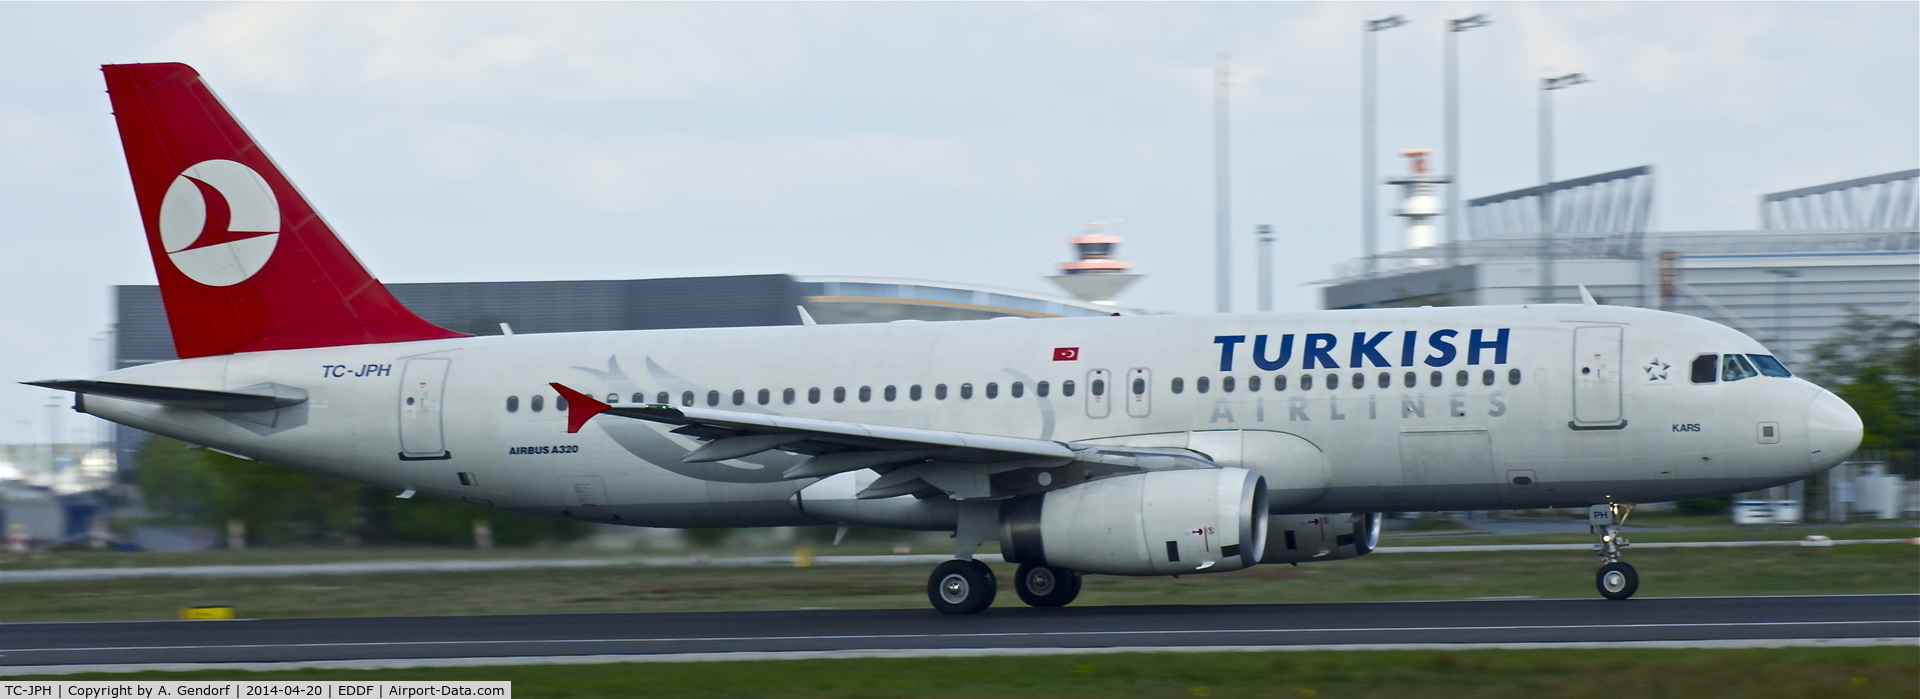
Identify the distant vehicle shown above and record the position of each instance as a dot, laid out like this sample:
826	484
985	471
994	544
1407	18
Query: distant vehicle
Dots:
1161	445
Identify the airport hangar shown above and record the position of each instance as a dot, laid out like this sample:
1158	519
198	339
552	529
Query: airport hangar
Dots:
141	334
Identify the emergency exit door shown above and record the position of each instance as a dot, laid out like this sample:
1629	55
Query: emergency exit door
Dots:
1596	378
422	422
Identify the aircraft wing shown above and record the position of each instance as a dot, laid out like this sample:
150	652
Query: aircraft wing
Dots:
959	463
246	400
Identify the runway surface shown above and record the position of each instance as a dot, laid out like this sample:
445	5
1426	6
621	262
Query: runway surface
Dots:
1790	620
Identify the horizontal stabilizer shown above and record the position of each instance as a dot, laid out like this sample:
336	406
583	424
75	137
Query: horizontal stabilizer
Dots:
251	399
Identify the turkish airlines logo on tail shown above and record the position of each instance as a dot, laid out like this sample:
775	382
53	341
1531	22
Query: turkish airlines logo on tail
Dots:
219	222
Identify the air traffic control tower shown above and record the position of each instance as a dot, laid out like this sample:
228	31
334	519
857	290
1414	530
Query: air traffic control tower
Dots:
1097	276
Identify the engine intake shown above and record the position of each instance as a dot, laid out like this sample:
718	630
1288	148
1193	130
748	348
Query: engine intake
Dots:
1154	523
1301	538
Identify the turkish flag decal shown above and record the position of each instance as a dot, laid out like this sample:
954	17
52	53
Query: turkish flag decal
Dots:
1066	354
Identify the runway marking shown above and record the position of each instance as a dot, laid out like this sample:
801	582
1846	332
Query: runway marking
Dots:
746	656
1011	634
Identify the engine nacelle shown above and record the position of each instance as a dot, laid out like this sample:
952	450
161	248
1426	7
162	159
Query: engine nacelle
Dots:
1154	523
1301	538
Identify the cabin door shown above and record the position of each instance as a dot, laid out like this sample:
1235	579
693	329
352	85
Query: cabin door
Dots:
1596	378
422	424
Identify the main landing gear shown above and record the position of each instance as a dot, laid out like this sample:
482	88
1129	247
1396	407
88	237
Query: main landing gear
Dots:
961	587
967	586
1616	579
1046	586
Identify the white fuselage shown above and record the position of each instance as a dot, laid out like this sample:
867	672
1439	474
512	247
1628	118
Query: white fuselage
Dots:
1578	405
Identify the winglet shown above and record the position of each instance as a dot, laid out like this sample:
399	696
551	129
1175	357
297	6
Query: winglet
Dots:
1586	297
805	317
580	407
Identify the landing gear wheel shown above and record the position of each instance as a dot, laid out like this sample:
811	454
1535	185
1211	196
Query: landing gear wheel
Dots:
1046	586
1617	580
961	587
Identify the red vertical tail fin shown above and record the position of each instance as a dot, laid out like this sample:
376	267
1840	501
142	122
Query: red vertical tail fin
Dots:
245	264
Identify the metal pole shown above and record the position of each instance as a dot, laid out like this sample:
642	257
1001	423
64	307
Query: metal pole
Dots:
1545	294
1547	86
1455	218
1266	267
1453	145
1368	239
1368	215
1223	246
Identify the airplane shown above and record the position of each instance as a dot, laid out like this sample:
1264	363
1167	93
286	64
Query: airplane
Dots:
1145	445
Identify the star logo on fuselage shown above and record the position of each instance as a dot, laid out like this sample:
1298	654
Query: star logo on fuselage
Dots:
1656	371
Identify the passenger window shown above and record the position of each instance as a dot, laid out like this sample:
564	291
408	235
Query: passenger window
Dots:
1099	387
866	393
1513	377
786	396
559	403
662	398
813	395
940	392
1705	368
914	392
1434	379
739	397
1041	389
993	390
1306	382
613	398
1139	387
1177	385
1769	366
1386	380
1359	380
513	404
713	398
764	397
1486	377
535	403
1280	382
1460	378
639	397
1333	381
1066	389
891	394
1253	384
1734	367
839	394
1017	389
966	391
1226	384
1410	379
1200	384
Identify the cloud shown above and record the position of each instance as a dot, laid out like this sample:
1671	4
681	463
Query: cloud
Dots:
440	52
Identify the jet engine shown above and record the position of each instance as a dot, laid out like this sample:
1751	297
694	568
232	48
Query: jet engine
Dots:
1154	523
1301	538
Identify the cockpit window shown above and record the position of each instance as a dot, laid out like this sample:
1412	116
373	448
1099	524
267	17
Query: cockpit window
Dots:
1705	368
1769	366
1735	367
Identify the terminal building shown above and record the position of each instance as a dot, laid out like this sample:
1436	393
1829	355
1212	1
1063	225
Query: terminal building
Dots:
1817	255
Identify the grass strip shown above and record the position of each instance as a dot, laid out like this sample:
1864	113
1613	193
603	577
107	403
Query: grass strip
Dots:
1520	674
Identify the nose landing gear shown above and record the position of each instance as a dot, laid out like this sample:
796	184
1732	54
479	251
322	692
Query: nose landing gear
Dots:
1616	578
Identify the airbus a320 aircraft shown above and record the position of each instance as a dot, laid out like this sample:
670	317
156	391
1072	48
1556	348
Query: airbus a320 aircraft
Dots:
1150	445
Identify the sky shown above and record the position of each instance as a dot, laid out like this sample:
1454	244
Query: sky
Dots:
962	142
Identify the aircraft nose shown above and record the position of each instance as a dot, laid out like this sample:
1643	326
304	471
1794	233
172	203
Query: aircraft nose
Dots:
1833	430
